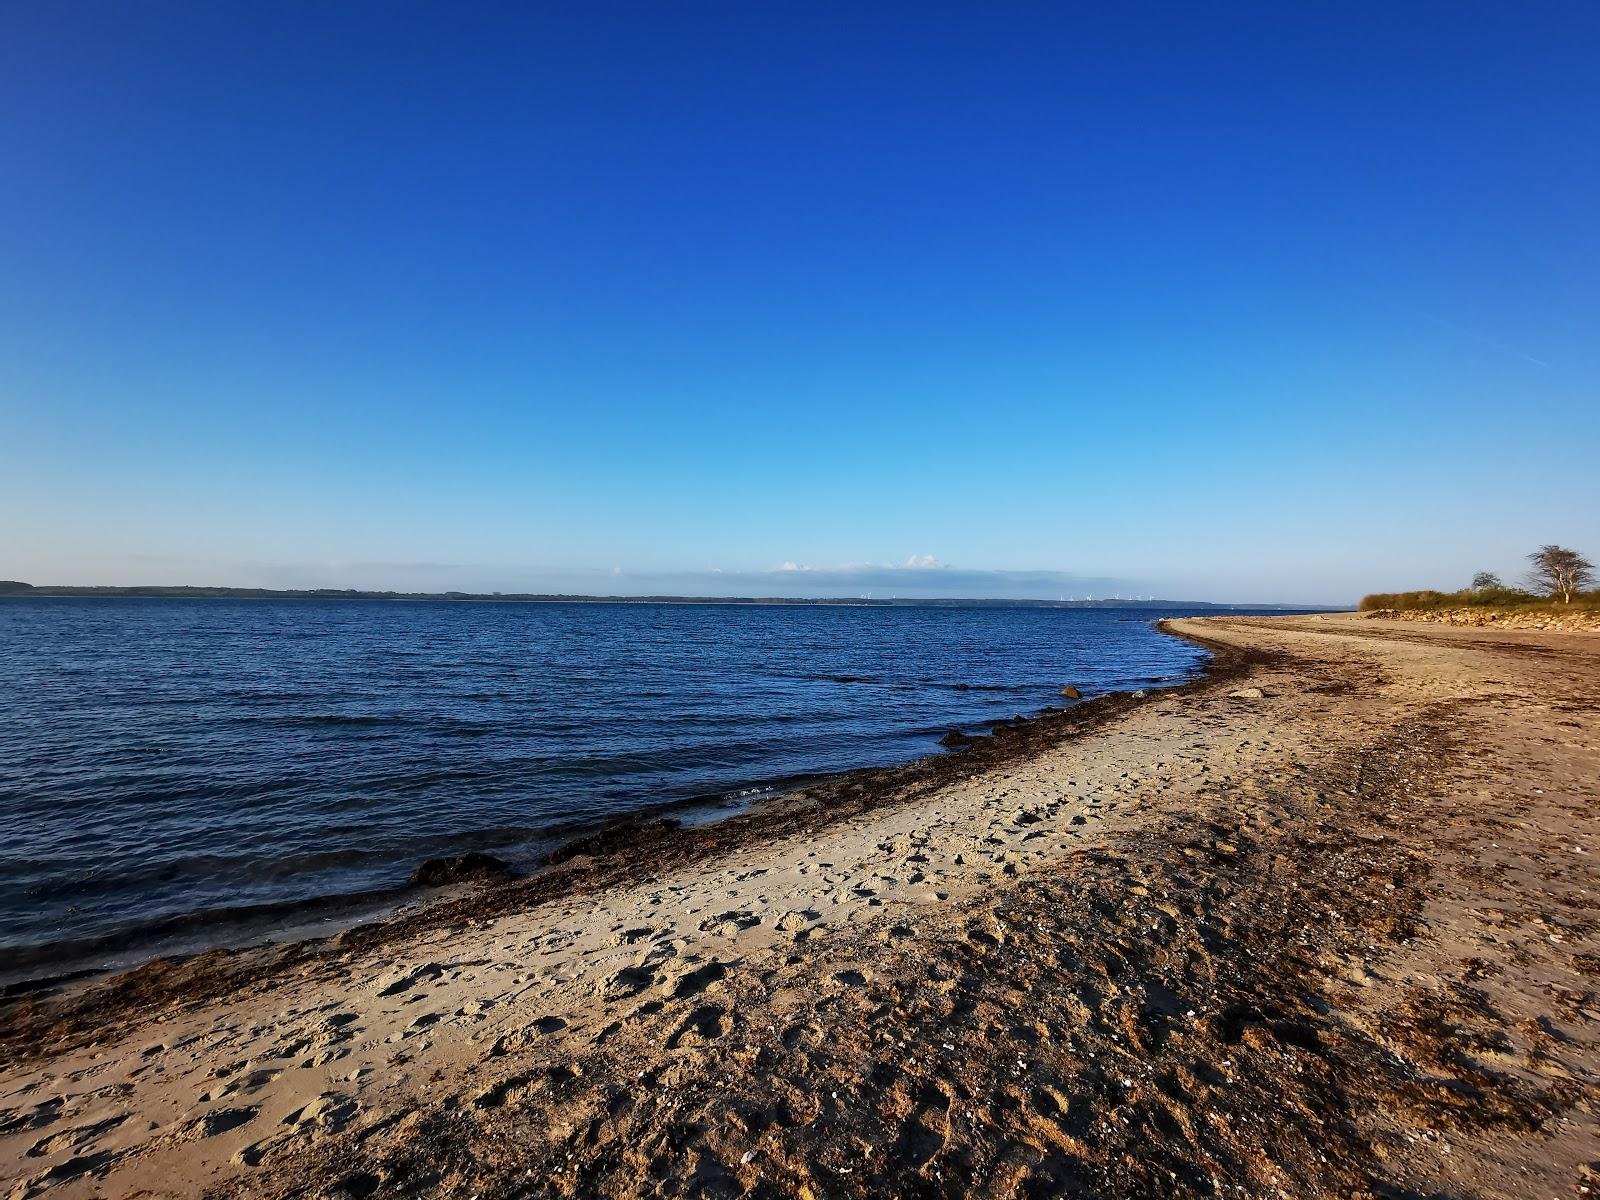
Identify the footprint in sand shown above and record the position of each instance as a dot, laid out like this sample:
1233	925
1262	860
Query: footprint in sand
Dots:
76	1138
730	923
218	1121
629	981
15	1120
705	1024
424	1022
693	981
795	922
244	1084
520	1039
393	985
72	1168
328	1113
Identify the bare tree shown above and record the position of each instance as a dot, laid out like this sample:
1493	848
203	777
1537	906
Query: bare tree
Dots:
1560	571
1484	580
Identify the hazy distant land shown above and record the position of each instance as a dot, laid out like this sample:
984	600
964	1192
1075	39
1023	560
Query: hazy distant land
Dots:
11	587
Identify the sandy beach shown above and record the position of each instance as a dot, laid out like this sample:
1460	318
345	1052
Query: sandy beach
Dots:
1322	923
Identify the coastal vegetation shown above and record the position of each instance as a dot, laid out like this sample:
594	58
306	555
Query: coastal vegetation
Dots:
1557	579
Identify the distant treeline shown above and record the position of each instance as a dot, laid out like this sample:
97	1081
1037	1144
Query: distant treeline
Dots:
1556	575
15	588
1470	598
1465	598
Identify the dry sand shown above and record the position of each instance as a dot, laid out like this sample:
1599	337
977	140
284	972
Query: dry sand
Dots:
1320	925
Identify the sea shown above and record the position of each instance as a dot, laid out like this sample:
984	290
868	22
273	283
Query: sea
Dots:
173	766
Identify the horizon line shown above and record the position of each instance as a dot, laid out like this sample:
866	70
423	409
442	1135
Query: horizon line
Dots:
13	588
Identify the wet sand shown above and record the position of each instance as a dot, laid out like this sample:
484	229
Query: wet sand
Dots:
1321	924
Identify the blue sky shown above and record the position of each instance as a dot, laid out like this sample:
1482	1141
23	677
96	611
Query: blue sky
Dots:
1237	302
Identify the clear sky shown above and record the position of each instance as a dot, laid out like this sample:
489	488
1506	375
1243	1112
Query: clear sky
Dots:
1232	301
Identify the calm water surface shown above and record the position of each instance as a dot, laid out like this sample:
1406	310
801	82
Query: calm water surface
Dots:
166	758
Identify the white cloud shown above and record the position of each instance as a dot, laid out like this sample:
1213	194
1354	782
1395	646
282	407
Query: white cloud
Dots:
923	562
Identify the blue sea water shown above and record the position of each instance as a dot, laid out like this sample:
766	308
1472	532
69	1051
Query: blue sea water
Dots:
162	758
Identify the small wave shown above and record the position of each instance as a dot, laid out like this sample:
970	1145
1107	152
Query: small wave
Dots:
748	795
316	719
229	924
245	868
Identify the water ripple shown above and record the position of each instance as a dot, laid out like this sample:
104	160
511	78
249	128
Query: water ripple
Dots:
163	757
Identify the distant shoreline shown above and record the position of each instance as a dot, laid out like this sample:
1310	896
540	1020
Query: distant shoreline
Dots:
11	589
